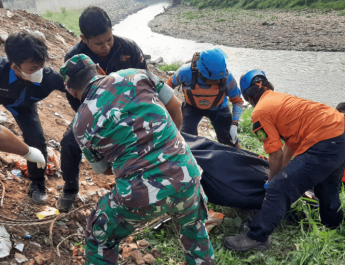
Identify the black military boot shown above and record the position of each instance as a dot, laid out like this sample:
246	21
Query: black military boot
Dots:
37	192
65	201
243	243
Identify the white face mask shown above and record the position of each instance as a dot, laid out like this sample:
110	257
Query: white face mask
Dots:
36	77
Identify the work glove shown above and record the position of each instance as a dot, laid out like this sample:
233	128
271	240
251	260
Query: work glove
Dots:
35	156
233	133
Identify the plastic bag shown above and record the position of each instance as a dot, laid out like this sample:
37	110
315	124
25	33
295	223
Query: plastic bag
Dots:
5	243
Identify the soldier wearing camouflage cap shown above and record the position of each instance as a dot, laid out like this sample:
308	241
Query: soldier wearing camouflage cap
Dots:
124	129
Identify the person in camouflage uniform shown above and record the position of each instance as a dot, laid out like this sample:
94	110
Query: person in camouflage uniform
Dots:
124	129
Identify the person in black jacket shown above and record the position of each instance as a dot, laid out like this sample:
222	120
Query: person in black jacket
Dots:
112	53
24	80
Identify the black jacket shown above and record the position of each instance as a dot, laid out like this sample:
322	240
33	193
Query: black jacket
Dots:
16	94
124	54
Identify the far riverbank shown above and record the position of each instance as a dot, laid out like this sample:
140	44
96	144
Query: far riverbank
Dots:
303	30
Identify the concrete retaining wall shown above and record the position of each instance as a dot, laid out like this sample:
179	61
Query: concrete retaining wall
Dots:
40	6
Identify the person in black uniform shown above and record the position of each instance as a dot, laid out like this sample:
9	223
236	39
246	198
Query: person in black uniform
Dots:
24	80
112	53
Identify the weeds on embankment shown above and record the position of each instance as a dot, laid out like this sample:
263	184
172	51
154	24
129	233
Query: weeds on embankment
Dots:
265	4
171	67
68	18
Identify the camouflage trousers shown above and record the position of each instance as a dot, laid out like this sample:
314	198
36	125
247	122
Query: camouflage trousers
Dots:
110	222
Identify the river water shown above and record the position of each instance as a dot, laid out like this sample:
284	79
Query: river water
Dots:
319	76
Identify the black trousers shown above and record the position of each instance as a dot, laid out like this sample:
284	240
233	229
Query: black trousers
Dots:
71	155
30	124
221	121
321	167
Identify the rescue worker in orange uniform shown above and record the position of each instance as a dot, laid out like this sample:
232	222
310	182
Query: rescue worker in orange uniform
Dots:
206	84
314	134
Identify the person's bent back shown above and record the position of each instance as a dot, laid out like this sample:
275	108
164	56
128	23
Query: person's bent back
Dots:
124	129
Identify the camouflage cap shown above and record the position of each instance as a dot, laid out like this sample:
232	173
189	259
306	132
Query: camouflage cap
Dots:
74	65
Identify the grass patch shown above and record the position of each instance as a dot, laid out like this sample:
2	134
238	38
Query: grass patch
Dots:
171	67
265	4
68	18
220	20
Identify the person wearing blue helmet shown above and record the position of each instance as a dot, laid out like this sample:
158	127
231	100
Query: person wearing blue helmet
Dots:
313	133
207	84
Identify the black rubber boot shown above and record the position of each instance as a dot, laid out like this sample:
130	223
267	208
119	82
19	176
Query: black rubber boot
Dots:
37	192
243	243
65	201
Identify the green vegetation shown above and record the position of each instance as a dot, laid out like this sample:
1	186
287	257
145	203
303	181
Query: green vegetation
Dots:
171	67
68	18
264	4
301	239
248	139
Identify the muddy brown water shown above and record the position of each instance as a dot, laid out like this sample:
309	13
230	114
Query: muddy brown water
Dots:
319	76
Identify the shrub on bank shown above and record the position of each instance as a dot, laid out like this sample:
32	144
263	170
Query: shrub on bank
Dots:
171	67
264	4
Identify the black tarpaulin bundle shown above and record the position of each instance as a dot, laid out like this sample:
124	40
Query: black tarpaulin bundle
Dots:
231	177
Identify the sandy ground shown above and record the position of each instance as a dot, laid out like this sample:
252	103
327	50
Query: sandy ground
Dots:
305	30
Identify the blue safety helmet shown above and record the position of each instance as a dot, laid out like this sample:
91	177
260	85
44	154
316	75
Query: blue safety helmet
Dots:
211	64
250	78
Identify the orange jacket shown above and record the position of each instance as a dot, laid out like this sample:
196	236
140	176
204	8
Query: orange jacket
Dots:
301	123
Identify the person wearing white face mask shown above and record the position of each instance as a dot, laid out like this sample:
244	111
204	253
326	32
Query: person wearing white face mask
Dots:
24	80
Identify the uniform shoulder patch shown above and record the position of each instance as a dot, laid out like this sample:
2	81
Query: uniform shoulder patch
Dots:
261	134
259	131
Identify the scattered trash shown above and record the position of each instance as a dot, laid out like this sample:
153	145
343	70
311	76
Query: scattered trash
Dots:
54	144
53	164
36	244
3	36
20	258
61	39
59	187
214	219
50	106
39	33
91	184
63	122
28	237
49	211
83	183
101	192
170	73
213	135
9	175
164	221
40	103
20	247
9	14
89	179
57	114
5	243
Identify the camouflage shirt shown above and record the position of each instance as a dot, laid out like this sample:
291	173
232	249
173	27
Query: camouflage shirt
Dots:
122	121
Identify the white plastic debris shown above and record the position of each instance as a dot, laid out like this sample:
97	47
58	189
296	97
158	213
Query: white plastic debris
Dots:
9	14
3	36
5	242
20	258
4	116
20	247
57	114
39	33
48	211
